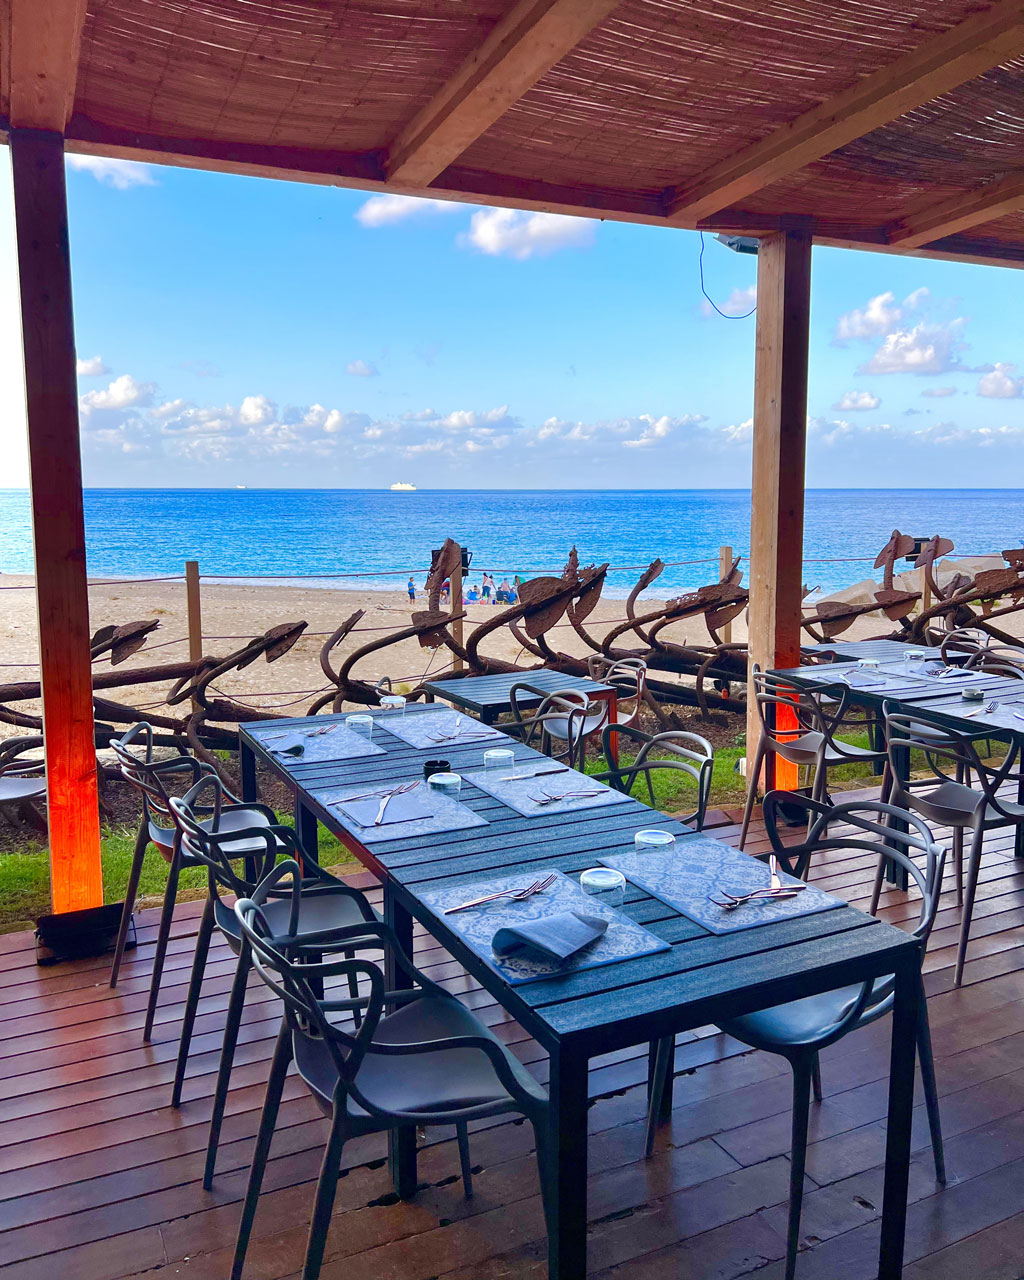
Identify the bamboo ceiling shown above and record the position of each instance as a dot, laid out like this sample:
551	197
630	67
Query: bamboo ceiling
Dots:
642	105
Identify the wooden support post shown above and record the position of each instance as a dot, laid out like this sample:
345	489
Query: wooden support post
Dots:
455	602
724	565
62	598
777	482
194	607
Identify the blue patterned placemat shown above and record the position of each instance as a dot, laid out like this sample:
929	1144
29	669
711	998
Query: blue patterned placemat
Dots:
697	866
446	813
623	940
331	741
517	791
438	730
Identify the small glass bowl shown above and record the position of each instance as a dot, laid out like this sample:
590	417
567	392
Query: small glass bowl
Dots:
500	758
605	884
360	724
652	840
972	694
868	662
449	784
392	702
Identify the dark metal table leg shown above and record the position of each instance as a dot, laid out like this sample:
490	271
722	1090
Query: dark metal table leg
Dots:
247	764
665	1107
305	826
907	1002
567	1238
401	1142
1018	834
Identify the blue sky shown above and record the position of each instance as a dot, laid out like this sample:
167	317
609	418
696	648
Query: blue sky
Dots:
241	331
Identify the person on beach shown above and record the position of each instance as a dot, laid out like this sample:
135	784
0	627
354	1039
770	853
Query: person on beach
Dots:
473	595
504	592
487	589
412	591
446	591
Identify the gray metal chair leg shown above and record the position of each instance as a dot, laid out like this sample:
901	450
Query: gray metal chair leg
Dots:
195	986
973	868
545	1173
466	1164
816	1077
752	777
326	1187
797	1158
236	1004
130	894
268	1119
931	1092
163	933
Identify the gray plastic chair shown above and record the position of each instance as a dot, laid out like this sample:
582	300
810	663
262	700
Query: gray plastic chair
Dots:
419	1057
688	753
22	777
562	714
320	905
946	797
811	743
156	780
798	1031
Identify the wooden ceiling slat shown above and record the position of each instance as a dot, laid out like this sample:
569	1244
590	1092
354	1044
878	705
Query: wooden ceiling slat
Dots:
968	209
934	68
42	61
522	47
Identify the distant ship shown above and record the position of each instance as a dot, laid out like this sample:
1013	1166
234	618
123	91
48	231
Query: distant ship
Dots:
401	487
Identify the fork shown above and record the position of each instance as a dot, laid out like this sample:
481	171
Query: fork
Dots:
546	798
981	711
732	901
387	792
516	895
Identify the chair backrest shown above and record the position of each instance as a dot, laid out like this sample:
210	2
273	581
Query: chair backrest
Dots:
204	841
950	755
866	826
11	762
786	712
998	660
570	705
963	640
134	754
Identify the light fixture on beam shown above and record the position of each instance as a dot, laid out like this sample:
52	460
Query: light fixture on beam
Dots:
739	244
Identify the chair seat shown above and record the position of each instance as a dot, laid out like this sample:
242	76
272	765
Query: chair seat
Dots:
958	805
801	1021
805	748
15	790
558	726
429	1083
324	909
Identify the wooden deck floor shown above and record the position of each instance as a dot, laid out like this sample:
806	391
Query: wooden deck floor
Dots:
99	1178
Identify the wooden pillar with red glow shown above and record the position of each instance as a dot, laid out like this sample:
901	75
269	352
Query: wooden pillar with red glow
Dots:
40	204
777	482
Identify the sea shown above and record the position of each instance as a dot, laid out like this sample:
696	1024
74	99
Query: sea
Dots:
373	540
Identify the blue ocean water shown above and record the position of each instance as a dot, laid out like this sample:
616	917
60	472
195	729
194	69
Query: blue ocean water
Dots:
384	536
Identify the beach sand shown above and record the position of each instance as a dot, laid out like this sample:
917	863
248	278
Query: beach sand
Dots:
234	613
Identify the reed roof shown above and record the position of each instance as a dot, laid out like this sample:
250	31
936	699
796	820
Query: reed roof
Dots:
645	110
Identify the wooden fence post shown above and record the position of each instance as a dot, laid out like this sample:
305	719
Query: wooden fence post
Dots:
456	606
194	606
724	565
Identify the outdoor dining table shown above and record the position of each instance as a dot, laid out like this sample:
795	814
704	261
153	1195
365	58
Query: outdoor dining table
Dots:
699	978
906	690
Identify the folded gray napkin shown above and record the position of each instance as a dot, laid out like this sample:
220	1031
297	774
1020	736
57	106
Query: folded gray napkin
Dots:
403	808
560	935
292	746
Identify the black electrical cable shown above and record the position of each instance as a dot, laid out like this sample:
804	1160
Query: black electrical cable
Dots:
725	316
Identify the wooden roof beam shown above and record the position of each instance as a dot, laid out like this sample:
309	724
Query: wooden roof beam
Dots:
524	45
939	65
960	212
44	43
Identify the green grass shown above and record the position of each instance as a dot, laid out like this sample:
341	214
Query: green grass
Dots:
25	877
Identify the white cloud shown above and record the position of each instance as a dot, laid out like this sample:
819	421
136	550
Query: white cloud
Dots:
653	430
386	210
879	316
92	368
257	411
361	369
999	384
857	401
123	393
739	303
511	233
926	349
121	174
938	393
915	299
